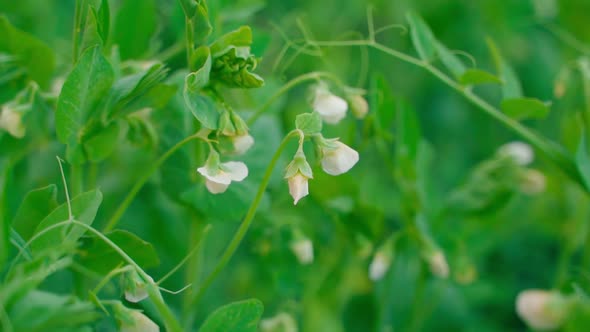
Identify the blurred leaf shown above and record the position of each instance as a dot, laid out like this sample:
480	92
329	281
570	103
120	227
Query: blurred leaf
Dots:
84	88
4	224
450	60
98	256
36	205
478	76
135	23
43	311
511	88
523	108
242	316
422	37
101	144
384	104
309	123
583	160
103	20
84	208
201	23
27	51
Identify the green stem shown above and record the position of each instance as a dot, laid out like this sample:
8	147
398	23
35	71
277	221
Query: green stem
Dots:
190	40
241	232
139	184
288	86
80	13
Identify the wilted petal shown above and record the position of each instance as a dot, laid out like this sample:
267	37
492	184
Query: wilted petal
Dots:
11	121
298	187
214	175
339	160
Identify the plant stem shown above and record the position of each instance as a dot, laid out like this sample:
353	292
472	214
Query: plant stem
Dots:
288	86
241	232
190	41
139	184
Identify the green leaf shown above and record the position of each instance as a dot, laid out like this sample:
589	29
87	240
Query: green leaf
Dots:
27	51
135	24
202	106
522	108
201	64
382	101
103	20
583	160
478	76
36	205
98	256
511	88
101	144
5	171
84	88
201	23
450	60
242	316
309	123
422	37
84	208
241	37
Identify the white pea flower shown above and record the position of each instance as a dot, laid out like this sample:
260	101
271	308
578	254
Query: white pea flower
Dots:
298	173
541	309
139	323
338	158
220	175
242	143
359	106
379	266
303	249
532	182
331	107
521	152
12	121
137	288
282	322
298	187
438	264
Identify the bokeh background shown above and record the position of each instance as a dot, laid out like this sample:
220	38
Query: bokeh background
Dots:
526	242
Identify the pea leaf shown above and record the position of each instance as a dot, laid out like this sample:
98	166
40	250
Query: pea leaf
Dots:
241	316
237	38
84	208
135	24
100	145
201	63
478	76
450	60
201	105
309	123
583	160
422	37
27	51
83	90
103	20
98	256
512	87
36	205
521	108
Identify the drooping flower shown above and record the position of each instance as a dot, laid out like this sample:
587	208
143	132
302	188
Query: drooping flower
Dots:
337	157
242	143
359	106
136	287
12	121
302	248
541	309
331	107
379	266
219	175
520	152
138	322
282	322
298	173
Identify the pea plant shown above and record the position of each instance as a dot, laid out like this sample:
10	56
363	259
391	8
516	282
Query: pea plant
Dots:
166	130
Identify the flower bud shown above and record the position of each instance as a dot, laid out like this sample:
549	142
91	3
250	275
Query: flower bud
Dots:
542	310
379	266
242	143
438	265
298	187
282	322
358	106
520	152
139	323
298	173
136	287
302	248
12	121
331	108
337	157
532	182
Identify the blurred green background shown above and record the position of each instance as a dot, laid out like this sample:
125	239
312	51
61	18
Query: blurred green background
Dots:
527	242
